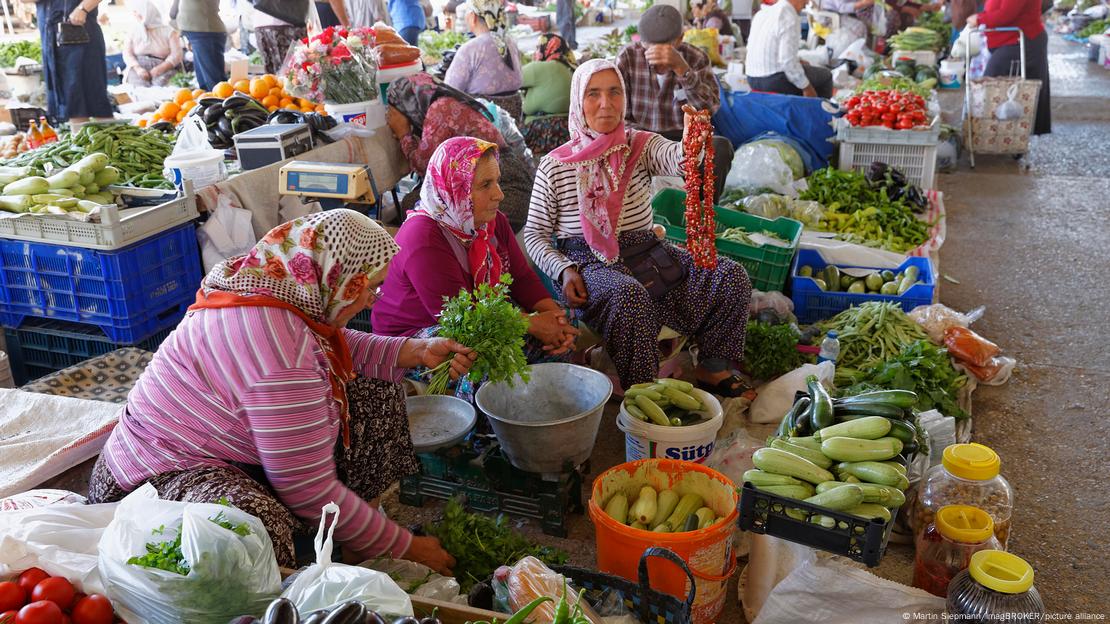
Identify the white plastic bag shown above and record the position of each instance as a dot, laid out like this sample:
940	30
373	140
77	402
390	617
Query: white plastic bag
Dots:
227	232
62	540
936	318
968	44
760	168
192	140
1010	109
775	398
419	580
326	584
229	574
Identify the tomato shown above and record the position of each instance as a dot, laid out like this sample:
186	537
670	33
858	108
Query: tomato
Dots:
41	612
55	589
905	124
8	617
93	609
30	578
12	596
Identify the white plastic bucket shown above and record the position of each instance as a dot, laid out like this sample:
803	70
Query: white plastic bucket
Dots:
370	113
951	73
694	443
203	169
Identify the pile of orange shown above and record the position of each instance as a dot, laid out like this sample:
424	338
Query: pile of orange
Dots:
266	89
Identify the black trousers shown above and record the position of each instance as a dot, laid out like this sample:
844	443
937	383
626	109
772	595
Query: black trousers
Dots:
722	159
1005	61
819	77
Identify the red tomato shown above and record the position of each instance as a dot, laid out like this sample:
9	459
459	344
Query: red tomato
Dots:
30	578
41	612
12	596
93	609
55	589
8	617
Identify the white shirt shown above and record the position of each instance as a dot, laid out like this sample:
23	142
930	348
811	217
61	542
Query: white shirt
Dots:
776	35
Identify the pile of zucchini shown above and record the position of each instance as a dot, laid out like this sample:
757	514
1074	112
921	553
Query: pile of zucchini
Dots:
840	454
886	282
80	187
661	511
664	402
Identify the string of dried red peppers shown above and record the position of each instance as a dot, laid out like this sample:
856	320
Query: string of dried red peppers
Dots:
701	234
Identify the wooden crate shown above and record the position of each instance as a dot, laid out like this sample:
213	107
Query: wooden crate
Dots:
451	613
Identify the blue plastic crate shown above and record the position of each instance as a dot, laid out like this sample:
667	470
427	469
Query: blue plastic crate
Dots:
130	293
811	304
42	347
361	322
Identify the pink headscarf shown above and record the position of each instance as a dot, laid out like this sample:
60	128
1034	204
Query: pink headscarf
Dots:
604	163
445	197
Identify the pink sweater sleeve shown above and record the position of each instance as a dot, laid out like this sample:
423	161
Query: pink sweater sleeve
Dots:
288	413
376	356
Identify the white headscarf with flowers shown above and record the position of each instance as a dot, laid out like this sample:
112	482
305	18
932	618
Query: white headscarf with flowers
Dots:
319	263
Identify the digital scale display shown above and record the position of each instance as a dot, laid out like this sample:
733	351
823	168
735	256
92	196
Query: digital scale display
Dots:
327	183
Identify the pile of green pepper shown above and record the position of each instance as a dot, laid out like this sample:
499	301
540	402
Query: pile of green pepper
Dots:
859	212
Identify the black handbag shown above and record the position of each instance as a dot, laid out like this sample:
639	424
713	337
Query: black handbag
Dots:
72	34
293	12
653	267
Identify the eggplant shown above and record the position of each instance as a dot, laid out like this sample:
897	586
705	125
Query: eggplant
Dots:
350	612
162	126
224	126
213	114
243	619
406	620
430	620
316	617
372	617
209	101
281	611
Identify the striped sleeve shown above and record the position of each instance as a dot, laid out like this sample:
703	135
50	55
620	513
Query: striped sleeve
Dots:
543	215
663	157
288	414
376	356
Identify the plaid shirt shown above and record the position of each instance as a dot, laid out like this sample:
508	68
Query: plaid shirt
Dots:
656	107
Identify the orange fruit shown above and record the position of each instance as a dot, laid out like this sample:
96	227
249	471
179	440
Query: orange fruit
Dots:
223	89
285	102
242	86
142	122
183	95
270	100
168	110
320	109
181	115
259	88
275	91
197	93
292	107
271	81
271	108
189	105
308	108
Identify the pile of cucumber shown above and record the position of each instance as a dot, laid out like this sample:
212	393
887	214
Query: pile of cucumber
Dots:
664	402
80	187
886	282
662	511
840	454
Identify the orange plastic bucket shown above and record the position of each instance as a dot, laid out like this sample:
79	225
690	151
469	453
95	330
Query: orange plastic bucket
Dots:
708	552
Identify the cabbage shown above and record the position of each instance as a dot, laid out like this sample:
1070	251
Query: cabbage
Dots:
789	155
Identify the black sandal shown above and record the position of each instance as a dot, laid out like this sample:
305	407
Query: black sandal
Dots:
730	387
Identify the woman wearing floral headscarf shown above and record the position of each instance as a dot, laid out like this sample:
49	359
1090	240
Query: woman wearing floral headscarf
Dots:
489	64
263	397
593	196
456	239
547	95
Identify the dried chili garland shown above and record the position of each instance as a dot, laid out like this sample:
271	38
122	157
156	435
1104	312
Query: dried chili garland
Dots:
701	226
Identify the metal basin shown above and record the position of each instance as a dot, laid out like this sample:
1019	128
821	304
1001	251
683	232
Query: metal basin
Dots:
437	421
551	422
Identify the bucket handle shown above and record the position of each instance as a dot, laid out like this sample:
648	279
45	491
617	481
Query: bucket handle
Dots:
645	585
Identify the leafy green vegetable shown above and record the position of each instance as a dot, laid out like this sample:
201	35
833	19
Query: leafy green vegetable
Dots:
435	44
891	81
859	212
184	80
770	350
934	20
922	367
481	544
1096	27
30	48
485	320
163	555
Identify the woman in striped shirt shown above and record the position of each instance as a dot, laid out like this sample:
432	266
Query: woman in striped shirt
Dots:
261	395
591	206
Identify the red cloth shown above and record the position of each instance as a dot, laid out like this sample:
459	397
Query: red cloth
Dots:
1024	14
426	270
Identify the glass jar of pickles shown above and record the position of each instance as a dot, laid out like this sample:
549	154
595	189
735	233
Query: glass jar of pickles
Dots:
996	587
967	475
946	546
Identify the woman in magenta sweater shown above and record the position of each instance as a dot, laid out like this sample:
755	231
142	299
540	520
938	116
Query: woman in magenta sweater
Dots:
455	239
1005	52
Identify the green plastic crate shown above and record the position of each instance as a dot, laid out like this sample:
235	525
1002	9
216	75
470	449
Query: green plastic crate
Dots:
768	266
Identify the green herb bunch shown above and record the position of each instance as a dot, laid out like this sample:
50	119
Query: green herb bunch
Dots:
481	544
921	367
485	320
168	556
771	350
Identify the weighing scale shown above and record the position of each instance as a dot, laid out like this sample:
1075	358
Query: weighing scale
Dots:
334	185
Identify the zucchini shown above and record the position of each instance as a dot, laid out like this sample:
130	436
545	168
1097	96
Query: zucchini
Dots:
677	384
817	457
809	442
16	203
838	499
897	466
705	516
33	185
617	508
902	398
662	528
884	495
885	410
759	478
665	504
857	450
634	411
866	428
780	462
648	392
692	522
875	472
681	399
797	492
637	525
92	163
904	431
799	417
821	413
688	504
106	176
832	278
11	174
850	479
88	177
869	511
643	510
64	179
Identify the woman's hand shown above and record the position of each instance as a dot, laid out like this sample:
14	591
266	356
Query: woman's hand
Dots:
398	123
78	15
973	22
689	114
553	330
574	288
428	551
435	351
143	74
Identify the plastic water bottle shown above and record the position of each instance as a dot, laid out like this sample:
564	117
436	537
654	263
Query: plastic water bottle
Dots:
830	348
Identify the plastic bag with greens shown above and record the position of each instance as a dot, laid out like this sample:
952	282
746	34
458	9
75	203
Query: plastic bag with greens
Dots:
760	168
789	155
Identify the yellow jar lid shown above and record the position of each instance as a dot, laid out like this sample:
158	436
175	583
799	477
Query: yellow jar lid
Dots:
964	524
1001	571
971	461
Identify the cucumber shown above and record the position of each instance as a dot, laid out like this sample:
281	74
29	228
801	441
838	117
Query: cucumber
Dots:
870	510
617	508
875	472
817	457
839	499
797	492
866	428
857	450
665	504
759	478
780	462
34	185
643	510
821	412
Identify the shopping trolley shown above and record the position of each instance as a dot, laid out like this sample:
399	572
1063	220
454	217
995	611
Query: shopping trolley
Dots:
982	132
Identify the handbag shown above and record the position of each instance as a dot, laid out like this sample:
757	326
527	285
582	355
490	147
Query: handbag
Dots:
72	34
653	267
293	12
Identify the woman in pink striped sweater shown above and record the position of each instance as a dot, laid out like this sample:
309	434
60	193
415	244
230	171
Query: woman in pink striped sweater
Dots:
261	394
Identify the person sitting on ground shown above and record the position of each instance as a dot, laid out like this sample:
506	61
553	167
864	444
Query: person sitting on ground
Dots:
456	239
773	64
593	196
424	112
153	51
663	74
708	15
261	395
488	65
547	94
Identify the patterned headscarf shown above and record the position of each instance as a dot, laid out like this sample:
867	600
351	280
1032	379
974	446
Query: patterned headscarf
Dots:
552	47
413	96
492	12
446	198
313	267
604	164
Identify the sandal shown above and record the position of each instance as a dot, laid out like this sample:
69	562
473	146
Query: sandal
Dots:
730	387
